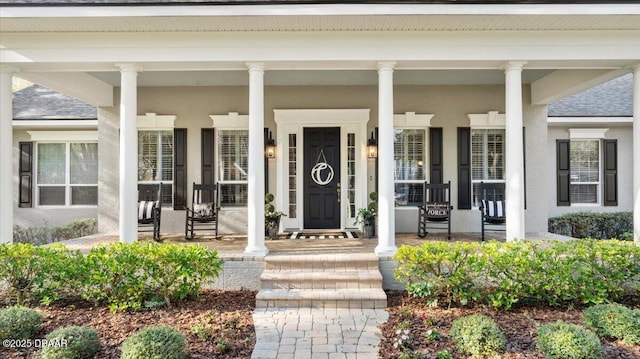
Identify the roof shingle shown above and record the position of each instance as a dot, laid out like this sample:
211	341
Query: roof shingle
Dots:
39	103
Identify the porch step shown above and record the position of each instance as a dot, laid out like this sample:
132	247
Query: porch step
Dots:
322	281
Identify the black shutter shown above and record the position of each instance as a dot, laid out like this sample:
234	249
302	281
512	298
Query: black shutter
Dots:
563	172
208	167
180	168
26	175
610	153
524	164
435	155
464	168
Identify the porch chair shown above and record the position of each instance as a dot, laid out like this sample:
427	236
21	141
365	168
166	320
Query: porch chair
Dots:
150	208
435	212
492	209
203	213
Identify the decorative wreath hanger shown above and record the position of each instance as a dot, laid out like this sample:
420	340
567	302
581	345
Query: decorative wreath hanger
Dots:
316	171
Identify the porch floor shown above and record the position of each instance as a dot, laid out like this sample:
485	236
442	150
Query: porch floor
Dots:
233	245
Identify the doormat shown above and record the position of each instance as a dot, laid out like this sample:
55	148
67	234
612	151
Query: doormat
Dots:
321	235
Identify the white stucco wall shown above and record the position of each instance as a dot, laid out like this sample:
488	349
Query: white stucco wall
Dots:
449	104
624	136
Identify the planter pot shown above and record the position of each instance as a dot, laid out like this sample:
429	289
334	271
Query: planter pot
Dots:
369	228
272	227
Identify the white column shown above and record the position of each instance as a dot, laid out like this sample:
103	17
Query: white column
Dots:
255	205
636	154
514	162
128	153
6	160
386	189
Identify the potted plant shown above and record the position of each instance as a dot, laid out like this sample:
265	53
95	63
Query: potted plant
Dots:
271	217
367	216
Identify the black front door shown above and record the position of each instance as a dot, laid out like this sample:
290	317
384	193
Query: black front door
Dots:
322	178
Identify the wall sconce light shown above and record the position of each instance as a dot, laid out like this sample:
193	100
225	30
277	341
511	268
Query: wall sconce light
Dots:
270	147
372	147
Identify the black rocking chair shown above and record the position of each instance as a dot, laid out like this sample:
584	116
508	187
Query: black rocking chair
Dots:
492	207
150	208
205	206
436	209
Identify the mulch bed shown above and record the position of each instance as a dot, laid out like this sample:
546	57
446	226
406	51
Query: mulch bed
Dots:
114	328
519	326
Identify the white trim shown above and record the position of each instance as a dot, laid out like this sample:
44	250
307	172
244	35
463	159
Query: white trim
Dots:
492	119
63	136
293	122
587	133
573	121
154	121
62	124
412	120
319	9
232	121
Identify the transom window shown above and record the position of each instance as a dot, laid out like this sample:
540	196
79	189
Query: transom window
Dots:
487	160
67	174
233	166
408	154
585	171
155	161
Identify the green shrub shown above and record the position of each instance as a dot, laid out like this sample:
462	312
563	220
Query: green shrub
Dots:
568	341
444	354
614	321
32	271
543	272
77	343
155	342
477	335
19	323
604	225
44	235
447	270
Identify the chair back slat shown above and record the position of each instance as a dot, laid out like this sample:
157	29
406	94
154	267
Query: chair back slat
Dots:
206	193
150	192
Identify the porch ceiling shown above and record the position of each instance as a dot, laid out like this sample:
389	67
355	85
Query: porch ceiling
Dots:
318	77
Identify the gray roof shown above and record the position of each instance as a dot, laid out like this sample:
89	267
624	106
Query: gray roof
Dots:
39	103
232	2
612	98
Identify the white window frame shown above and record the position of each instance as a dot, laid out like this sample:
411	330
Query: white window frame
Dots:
589	134
67	183
493	120
230	122
153	122
413	121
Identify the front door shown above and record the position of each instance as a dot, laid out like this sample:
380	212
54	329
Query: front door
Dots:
321	177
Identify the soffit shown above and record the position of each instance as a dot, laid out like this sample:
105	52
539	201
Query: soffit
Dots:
297	23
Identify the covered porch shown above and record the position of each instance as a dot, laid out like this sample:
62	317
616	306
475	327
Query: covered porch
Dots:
405	75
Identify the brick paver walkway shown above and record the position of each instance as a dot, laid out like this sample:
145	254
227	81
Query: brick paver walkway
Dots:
310	333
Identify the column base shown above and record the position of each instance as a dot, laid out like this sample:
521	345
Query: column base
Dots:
382	251
255	251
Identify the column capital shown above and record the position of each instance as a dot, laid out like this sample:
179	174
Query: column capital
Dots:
129	67
513	66
6	69
255	66
386	65
635	68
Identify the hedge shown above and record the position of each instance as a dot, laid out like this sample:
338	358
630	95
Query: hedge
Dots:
607	225
504	274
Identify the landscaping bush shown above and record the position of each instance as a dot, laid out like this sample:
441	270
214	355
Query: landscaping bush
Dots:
568	341
447	270
614	321
38	272
44	235
155	342
544	272
77	343
604	225
125	275
19	323
478	335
